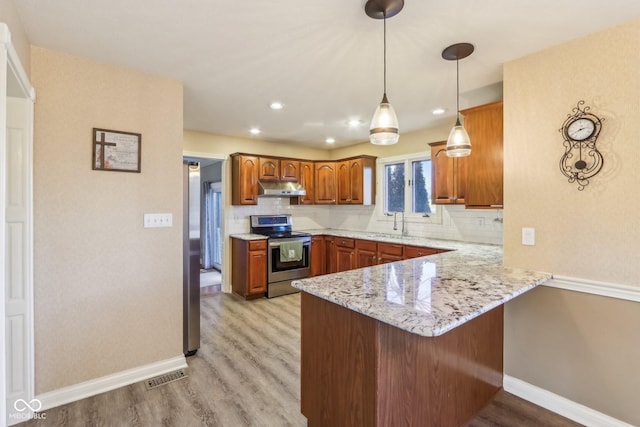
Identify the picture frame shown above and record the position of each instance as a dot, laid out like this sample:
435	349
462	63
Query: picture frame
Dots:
117	151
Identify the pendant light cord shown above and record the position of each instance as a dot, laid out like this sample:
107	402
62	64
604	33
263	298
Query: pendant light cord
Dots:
457	88
384	56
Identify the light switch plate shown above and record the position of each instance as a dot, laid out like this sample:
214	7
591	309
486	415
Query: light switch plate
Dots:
158	220
528	236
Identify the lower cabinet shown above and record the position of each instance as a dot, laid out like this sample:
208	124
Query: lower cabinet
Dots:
417	251
318	256
341	253
366	253
345	254
249	267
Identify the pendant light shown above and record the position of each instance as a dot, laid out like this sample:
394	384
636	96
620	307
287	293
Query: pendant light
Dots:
458	143
384	124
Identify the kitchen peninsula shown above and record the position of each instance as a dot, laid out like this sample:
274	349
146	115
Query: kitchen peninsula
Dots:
416	342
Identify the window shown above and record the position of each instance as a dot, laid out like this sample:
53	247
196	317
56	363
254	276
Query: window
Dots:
406	186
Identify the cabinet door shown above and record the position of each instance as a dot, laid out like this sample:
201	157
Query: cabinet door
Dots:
390	252
351	182
257	279
448	176
318	255
485	164
325	183
306	180
344	183
289	170
245	170
330	254
345	259
269	169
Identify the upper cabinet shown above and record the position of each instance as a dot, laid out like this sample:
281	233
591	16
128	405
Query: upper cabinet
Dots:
325	183
290	170
347	181
307	172
245	171
476	180
356	181
269	169
485	164
448	176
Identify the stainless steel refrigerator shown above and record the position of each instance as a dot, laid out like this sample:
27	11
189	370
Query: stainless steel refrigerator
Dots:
191	257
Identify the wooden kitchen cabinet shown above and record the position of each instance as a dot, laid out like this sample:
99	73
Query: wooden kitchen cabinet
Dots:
390	252
269	169
318	256
245	172
307	172
325	183
345	254
448	176
366	253
417	251
356	181
249	267
330	254
289	170
485	164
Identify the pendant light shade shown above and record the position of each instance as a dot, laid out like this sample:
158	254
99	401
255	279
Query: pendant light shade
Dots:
458	143
384	124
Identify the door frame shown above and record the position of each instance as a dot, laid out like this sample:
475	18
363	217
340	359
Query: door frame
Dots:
10	63
226	194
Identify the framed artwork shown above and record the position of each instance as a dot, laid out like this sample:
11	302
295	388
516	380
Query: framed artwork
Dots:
116	151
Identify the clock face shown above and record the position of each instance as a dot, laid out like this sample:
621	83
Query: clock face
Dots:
581	129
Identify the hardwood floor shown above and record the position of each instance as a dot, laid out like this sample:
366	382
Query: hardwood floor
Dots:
246	373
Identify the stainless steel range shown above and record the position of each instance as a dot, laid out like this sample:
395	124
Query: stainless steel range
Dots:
288	253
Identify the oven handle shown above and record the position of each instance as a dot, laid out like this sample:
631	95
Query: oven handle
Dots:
276	243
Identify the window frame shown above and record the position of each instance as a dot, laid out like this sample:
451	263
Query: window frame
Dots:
408	159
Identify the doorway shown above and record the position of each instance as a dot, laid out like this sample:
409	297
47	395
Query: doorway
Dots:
211	222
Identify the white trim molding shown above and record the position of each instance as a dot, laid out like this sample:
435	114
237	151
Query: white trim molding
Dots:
612	290
90	388
560	405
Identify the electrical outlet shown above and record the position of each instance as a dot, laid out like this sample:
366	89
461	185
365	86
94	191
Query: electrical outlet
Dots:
158	220
528	236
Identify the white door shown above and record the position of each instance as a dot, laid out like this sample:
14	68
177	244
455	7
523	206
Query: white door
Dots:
18	262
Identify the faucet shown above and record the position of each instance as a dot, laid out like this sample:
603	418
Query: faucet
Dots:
404	223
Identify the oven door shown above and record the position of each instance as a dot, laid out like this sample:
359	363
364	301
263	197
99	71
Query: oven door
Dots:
280	271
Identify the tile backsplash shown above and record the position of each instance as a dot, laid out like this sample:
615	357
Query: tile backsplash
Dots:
458	223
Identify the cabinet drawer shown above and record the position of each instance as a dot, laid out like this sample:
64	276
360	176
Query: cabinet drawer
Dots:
417	251
257	245
390	249
345	242
367	245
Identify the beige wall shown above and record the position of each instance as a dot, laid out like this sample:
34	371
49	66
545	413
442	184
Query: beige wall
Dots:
9	16
578	344
108	293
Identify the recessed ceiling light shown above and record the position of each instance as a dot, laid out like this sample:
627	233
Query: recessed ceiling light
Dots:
330	140
354	123
255	131
438	111
276	105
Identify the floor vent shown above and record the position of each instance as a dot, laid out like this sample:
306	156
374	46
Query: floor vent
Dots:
165	379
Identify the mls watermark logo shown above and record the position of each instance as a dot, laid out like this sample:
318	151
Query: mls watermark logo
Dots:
27	410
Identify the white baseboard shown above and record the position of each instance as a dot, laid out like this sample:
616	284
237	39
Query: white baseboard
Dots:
560	405
90	388
611	290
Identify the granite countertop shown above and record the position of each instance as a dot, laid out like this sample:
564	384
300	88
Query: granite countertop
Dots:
249	236
430	295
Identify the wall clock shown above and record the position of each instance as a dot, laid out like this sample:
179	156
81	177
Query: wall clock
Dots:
581	160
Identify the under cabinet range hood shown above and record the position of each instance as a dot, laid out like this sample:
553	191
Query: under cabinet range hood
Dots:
280	189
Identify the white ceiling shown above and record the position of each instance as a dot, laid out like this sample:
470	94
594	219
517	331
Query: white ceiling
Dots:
321	58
